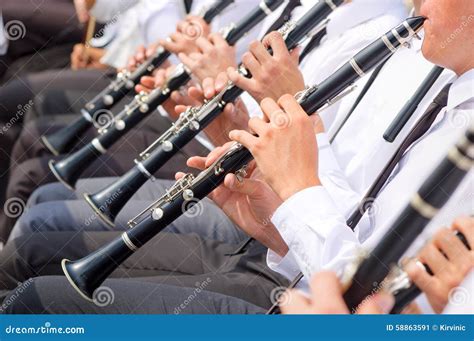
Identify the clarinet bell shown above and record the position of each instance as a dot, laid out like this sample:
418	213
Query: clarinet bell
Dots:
74	272
100	205
64	140
69	170
87	274
63	173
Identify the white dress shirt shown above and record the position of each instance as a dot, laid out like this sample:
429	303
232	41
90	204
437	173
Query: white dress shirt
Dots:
130	17
106	10
3	39
312	222
351	27
344	163
143	22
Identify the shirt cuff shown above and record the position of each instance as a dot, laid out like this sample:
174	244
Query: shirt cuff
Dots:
297	206
287	266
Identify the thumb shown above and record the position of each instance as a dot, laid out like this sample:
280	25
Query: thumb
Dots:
221	81
179	109
196	94
179	175
295	54
229	111
197	162
246	186
148	82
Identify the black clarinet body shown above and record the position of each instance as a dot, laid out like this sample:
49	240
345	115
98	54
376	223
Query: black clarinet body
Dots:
64	140
188	191
425	204
143	105
84	273
191	123
410	107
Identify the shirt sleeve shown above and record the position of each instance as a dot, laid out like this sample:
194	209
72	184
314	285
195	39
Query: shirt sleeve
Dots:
338	186
315	232
158	20
313	222
334	179
106	10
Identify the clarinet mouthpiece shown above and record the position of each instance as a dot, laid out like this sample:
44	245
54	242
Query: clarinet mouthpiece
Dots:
416	22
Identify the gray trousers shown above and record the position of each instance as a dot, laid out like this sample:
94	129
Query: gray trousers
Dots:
186	261
54	208
30	173
121	296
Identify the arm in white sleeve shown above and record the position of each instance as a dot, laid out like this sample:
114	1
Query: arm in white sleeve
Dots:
106	10
315	232
159	20
339	188
334	179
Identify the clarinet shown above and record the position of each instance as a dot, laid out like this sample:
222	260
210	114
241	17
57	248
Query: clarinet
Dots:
88	273
403	289
70	169
410	107
423	207
98	108
188	126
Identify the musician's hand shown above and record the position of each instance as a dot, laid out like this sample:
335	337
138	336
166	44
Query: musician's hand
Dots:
326	298
214	56
234	116
86	57
184	39
272	76
141	55
79	59
285	148
449	260
159	78
250	203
